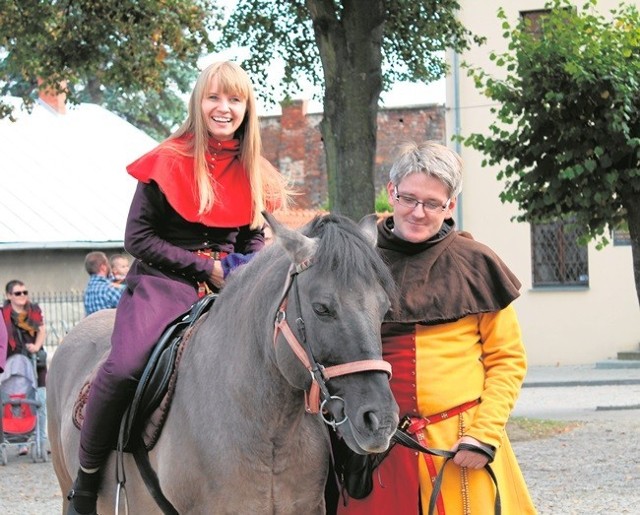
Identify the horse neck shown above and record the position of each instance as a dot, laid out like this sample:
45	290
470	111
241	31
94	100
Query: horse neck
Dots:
244	320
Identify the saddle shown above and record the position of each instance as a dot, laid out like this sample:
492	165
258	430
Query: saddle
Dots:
157	382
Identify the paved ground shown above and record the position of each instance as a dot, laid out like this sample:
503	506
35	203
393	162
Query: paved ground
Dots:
580	392
593	469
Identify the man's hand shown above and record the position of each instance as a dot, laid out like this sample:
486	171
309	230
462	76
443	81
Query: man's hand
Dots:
469	459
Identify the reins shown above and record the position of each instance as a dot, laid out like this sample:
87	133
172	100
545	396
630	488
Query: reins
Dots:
404	439
318	395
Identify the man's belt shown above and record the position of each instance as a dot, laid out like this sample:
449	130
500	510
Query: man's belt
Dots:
416	427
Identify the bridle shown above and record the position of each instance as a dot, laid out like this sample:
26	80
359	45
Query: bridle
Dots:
318	395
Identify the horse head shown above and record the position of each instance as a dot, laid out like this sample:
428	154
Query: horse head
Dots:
327	328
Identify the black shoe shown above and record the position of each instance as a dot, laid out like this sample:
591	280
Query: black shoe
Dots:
84	494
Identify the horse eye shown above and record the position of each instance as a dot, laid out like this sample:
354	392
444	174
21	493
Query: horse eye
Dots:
321	310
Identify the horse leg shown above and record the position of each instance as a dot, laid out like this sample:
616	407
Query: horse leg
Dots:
59	467
55	402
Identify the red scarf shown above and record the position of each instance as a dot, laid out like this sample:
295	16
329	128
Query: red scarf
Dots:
174	174
31	323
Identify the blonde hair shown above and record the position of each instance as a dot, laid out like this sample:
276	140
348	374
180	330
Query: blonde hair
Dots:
267	184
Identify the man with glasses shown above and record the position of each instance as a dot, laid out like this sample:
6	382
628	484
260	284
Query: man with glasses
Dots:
26	335
454	343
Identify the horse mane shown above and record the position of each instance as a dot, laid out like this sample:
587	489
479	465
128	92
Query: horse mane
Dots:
345	252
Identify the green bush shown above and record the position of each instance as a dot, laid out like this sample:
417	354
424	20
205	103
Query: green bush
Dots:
382	202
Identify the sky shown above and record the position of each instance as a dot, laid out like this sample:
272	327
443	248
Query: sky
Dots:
400	94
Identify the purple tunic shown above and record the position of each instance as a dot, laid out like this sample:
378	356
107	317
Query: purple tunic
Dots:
161	285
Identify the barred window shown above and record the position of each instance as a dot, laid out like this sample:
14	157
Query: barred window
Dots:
557	258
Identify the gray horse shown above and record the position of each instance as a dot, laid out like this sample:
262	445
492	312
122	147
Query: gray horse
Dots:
239	437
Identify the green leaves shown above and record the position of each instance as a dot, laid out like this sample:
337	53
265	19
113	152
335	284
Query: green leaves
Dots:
414	35
566	130
354	49
117	45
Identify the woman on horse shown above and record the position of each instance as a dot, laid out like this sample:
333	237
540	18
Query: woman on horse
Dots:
195	216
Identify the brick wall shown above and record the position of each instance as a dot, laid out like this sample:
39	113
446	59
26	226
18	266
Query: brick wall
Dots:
293	144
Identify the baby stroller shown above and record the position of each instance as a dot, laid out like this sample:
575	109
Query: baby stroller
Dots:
19	422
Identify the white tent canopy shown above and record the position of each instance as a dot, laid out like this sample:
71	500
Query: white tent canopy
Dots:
63	182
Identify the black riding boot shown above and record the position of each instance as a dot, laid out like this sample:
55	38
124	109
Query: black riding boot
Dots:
84	494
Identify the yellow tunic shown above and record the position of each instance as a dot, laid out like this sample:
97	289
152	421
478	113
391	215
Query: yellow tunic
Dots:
479	356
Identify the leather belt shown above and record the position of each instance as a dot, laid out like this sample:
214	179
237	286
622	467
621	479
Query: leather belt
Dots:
211	254
444	415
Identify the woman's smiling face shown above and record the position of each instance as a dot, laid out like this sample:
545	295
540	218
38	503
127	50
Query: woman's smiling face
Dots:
223	112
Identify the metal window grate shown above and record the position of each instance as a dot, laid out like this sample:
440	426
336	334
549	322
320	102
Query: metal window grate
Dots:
61	311
557	258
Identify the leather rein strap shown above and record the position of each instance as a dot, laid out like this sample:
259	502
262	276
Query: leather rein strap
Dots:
404	439
318	393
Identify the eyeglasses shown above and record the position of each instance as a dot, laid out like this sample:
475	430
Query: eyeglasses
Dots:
410	202
20	293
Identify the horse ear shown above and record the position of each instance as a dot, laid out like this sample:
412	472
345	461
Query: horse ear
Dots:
297	245
369	226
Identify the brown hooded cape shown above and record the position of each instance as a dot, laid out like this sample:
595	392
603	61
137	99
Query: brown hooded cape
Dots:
446	277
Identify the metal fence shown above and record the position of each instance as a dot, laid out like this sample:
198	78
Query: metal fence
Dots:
61	311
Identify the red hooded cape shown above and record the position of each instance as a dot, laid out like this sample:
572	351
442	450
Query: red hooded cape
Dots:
174	174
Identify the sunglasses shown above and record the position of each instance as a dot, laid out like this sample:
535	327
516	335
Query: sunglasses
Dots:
20	293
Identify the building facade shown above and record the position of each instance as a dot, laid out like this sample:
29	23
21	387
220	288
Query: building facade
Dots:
597	315
292	142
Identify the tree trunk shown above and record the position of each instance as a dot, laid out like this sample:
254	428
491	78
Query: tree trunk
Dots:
349	46
630	202
95	91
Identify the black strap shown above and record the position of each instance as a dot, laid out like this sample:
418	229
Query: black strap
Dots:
151	480
154	381
404	439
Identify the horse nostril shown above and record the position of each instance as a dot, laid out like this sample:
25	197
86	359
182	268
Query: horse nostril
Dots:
372	420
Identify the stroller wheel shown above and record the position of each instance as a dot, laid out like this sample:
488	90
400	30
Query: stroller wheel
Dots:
3	454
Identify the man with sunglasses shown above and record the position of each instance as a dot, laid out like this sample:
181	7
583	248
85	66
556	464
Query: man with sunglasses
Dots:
26	335
454	343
